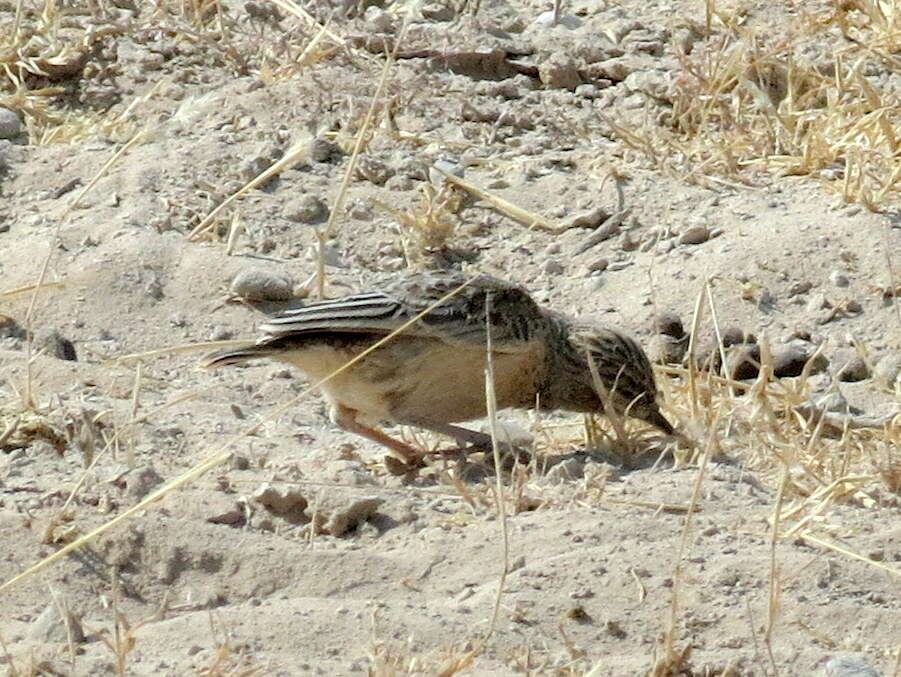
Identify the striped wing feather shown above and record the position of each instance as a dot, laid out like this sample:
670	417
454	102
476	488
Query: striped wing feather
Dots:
460	318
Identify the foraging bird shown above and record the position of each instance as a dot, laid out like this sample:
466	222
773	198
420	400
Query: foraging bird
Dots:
432	373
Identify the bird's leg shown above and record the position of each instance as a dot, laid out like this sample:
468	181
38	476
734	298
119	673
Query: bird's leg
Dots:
347	420
480	441
461	436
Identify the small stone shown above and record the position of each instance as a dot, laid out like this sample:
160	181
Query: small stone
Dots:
288	503
552	266
141	481
669	324
590	219
853	306
9	328
834	402
347	516
10	124
323	150
256	284
598	265
307	209
743	362
559	71
695	235
565	471
888	370
55	344
818	302
448	165
221	333
566	20
851	366
848	666
50	626
839	279
381	21
628	242
733	336
436	11
799	288
789	360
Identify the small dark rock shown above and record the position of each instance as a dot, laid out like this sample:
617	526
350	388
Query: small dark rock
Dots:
322	150
789	360
851	366
733	336
669	324
54	343
307	209
9	328
141	481
743	362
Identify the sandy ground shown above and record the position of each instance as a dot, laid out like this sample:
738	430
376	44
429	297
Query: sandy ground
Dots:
301	554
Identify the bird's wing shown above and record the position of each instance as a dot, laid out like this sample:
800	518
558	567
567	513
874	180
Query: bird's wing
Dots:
464	318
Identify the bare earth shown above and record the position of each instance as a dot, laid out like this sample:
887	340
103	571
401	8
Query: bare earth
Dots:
300	554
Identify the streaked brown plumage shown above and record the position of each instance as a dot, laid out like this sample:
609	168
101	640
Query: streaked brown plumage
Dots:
432	374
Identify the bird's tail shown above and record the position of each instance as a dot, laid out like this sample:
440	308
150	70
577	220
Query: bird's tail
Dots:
222	358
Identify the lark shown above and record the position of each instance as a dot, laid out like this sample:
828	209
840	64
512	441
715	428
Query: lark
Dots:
431	374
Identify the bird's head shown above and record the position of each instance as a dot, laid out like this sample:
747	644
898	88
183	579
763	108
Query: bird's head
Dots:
620	373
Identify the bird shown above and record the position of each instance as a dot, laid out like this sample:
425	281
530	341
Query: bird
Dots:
431	374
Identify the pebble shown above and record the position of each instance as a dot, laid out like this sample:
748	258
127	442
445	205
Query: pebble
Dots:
446	164
55	344
839	279
552	266
141	481
733	336
799	288
888	370
565	471
337	515
49	626
743	362
9	328
852	367
590	219
559	71
848	666
10	124
566	20
818	302
437	11
695	235
598	265
834	402
669	324
256	284
789	360
323	150
628	242
307	209
288	503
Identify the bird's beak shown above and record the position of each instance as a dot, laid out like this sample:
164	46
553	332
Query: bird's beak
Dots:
655	418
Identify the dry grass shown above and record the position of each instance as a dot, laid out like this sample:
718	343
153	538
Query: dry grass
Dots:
741	104
744	102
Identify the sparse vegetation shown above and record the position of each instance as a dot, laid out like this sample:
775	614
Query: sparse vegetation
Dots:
747	107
